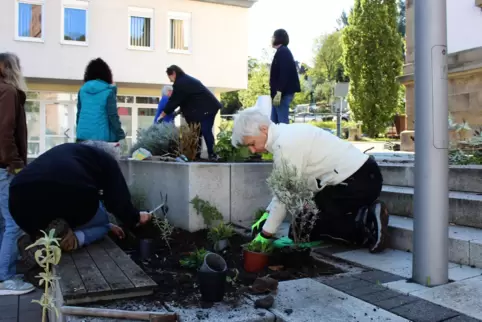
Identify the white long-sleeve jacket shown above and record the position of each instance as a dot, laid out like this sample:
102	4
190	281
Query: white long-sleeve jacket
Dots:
316	153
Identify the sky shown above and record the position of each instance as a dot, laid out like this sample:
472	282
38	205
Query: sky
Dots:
304	20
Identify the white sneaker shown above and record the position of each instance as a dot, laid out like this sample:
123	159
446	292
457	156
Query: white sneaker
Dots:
15	287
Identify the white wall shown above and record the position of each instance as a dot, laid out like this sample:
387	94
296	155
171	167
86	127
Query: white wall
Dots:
219	43
464	25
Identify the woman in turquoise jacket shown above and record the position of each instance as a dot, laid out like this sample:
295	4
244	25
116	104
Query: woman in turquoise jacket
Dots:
97	117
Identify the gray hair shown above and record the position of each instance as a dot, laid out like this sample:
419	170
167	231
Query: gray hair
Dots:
10	71
248	123
110	148
166	89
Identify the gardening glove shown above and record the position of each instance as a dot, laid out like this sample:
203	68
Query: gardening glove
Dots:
258	226
277	99
263	240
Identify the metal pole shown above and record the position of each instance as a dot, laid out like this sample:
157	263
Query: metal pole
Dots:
430	236
338	118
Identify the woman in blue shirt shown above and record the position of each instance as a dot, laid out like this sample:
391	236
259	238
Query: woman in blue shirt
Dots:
166	93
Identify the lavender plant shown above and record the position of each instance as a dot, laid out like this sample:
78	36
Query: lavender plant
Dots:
292	190
159	139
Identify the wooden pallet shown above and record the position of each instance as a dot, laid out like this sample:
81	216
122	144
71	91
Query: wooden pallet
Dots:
100	272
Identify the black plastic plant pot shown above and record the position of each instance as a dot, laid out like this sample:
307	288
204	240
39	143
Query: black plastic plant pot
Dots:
146	248
212	285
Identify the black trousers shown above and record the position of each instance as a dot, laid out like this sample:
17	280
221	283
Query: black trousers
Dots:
206	132
339	205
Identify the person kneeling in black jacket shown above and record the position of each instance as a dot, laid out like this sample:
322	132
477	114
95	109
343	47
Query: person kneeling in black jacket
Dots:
62	190
197	104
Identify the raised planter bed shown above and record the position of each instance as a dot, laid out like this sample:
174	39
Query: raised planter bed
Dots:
237	190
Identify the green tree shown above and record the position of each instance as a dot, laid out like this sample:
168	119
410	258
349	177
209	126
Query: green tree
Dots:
372	60
328	55
343	20
230	101
258	84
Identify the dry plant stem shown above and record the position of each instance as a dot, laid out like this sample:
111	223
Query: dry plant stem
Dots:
189	140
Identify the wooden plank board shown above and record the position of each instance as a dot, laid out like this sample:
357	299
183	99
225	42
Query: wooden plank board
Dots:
114	276
135	274
93	279
100	272
70	281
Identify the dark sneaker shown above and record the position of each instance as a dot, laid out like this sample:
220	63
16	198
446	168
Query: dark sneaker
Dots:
376	227
213	157
68	240
27	255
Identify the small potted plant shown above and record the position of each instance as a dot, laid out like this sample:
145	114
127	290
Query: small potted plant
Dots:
256	256
219	235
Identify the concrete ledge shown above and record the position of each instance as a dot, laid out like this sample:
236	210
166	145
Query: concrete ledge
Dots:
248	190
236	189
182	182
464	207
465	243
464	178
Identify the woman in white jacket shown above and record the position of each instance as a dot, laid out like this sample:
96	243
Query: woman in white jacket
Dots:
346	182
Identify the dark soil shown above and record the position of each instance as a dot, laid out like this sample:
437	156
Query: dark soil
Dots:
179	284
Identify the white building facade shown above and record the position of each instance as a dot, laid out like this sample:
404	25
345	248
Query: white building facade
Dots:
55	40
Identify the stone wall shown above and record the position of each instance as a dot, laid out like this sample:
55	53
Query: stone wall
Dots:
465	79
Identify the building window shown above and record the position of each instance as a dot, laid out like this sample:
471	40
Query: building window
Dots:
29	20
141	22
179	32
74	22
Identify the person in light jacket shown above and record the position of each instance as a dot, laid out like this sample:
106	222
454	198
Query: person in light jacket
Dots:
346	183
97	117
13	158
166	93
283	80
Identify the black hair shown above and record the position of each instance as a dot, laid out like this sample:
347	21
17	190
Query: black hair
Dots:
175	69
280	37
98	69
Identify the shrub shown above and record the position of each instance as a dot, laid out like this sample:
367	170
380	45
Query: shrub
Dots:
158	139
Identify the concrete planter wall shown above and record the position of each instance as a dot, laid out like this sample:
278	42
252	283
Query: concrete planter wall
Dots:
236	189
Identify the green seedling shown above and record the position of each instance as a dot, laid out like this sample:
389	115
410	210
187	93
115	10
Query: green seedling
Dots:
47	256
194	260
204	208
165	229
258	247
220	232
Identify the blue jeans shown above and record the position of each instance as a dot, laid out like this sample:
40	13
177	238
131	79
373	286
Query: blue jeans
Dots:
9	231
281	113
95	229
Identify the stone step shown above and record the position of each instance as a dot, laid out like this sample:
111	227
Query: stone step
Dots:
464	207
465	243
465	178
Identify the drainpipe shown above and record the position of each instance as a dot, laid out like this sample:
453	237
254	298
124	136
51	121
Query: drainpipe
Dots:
430	236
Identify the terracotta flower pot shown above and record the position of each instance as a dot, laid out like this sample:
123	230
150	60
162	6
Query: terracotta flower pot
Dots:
254	262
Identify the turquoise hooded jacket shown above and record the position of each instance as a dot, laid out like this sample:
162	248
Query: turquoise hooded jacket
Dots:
97	117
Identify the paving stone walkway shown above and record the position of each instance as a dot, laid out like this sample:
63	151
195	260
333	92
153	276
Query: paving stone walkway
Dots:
20	308
367	286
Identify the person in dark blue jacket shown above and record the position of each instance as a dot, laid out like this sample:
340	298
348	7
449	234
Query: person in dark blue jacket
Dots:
284	81
97	117
166	93
197	103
